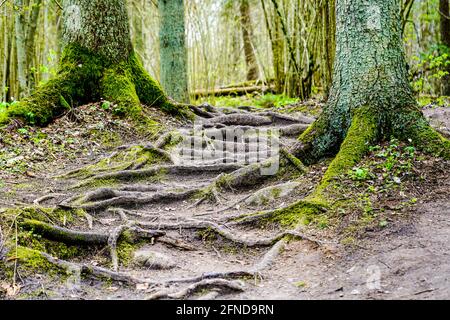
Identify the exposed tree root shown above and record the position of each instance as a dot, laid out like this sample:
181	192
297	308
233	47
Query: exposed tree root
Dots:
287	118
211	275
68	236
56	233
239	120
266	261
222	284
152	172
99	272
269	257
225	233
201	113
226	208
293	130
175	243
136	199
39	200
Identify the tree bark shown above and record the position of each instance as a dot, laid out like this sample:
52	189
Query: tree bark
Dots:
174	78
30	41
247	35
98	62
370	84
19	28
445	39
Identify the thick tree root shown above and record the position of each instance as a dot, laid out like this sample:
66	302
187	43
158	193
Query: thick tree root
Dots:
67	236
42	199
223	285
293	130
152	172
269	258
239	120
98	272
286	118
225	233
56	233
136	199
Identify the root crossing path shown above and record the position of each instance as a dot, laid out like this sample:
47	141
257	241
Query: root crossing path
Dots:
189	217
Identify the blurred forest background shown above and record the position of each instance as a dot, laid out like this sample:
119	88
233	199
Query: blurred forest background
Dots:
283	48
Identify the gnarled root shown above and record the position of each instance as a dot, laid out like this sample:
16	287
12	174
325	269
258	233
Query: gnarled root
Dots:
131	199
68	236
152	172
225	233
222	284
99	272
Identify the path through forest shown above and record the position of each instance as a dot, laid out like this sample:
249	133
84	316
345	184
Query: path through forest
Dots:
200	242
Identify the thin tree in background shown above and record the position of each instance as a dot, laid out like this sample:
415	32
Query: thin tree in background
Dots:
21	52
98	61
174	77
247	36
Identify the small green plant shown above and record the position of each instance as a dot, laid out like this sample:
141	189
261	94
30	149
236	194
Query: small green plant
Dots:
359	174
430	67
106	105
23	131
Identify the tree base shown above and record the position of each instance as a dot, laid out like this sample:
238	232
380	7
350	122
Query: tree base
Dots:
86	77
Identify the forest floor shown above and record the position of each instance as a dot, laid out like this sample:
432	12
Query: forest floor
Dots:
389	240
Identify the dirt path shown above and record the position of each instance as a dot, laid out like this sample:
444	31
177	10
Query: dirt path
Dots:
194	193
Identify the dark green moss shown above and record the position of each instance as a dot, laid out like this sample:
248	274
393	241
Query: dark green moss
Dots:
76	83
362	133
412	125
117	86
85	76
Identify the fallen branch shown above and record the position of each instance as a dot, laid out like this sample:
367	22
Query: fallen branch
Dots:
235	91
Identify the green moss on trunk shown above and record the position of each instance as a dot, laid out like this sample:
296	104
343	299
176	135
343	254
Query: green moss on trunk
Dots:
98	61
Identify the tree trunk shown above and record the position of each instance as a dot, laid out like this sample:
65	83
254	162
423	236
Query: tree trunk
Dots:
19	27
247	35
30	41
371	97
173	52
98	62
445	39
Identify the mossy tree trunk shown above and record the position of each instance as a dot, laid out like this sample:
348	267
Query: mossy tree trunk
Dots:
174	77
371	97
247	35
98	62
